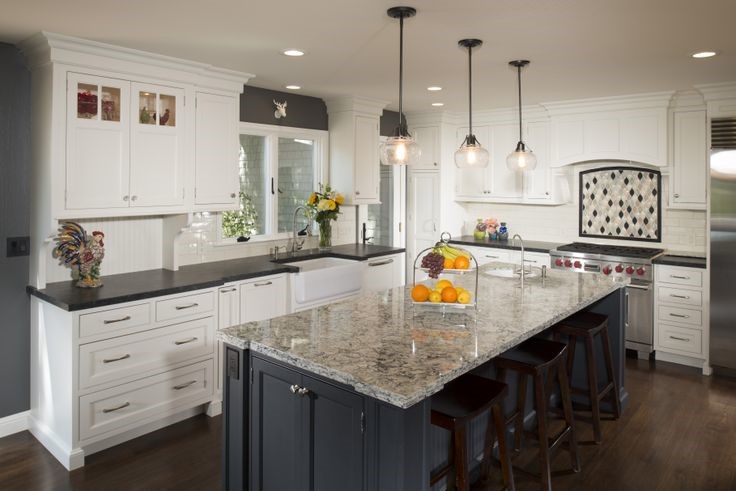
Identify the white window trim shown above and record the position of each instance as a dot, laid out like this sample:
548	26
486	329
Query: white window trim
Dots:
272	135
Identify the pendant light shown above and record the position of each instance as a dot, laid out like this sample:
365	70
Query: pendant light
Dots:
400	148
522	158
471	154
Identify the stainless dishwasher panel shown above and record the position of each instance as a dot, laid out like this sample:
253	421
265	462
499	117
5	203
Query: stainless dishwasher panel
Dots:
639	317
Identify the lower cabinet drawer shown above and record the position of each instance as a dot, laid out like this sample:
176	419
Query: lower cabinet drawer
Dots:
693	298
115	408
185	306
125	356
677	314
680	339
115	319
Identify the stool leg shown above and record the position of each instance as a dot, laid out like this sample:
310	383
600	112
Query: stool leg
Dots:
503	450
569	418
615	401
520	408
571	344
593	388
461	457
541	406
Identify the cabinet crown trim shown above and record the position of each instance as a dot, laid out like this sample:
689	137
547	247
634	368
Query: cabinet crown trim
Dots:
659	100
373	107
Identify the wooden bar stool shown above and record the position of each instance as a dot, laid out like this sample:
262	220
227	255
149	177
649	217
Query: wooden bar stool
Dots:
542	360
460	401
588	325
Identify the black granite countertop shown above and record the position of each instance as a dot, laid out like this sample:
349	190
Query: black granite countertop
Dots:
529	245
129	287
684	261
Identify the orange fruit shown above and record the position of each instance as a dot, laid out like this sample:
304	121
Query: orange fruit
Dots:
449	263
442	284
420	293
449	294
462	262
435	297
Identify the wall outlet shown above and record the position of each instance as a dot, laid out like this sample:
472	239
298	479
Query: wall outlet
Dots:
18	246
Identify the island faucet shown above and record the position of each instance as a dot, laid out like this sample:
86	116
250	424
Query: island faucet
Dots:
521	263
296	244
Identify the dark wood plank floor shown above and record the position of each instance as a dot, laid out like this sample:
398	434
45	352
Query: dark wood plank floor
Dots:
678	433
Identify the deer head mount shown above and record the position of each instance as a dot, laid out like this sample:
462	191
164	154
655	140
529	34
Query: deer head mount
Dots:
280	111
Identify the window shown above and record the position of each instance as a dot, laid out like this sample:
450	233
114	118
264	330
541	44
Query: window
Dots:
279	169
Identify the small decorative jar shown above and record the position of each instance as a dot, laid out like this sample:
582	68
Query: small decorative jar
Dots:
503	232
479	232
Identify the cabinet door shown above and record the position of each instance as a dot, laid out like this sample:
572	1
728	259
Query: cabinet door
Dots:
366	159
503	183
536	182
471	183
423	211
216	155
690	169
279	425
228	307
157	146
379	274
97	142
336	439
262	299
428	139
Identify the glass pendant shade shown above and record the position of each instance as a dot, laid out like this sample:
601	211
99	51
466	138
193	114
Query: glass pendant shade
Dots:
471	155
521	159
400	150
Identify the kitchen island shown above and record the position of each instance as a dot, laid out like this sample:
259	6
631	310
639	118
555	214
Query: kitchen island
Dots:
339	397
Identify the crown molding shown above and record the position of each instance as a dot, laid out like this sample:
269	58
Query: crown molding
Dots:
365	105
656	100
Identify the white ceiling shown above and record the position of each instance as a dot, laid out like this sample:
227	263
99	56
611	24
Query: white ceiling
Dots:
578	48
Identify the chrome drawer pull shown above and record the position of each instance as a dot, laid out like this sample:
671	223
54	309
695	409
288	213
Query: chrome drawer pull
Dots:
193	338
182	307
300	391
112	409
113	321
110	360
680	316
680	339
184	385
684	297
492	257
265	283
381	263
679	277
228	290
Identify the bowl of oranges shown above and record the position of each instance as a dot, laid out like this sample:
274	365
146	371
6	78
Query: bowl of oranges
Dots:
442	293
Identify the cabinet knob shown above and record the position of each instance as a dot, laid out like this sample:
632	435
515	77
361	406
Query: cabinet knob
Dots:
547	193
300	391
676	195
435	164
232	195
133	198
125	198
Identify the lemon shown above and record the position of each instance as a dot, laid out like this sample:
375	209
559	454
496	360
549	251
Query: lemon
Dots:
442	284
462	297
435	297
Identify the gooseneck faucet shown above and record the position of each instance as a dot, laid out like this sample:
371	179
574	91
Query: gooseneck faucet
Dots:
296	244
521	264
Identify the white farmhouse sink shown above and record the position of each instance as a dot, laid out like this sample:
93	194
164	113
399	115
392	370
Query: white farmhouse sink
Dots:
325	278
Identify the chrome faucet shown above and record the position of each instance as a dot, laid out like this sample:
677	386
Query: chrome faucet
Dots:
296	244
522	272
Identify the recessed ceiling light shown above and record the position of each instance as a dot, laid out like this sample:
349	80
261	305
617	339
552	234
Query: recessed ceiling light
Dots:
293	52
704	54
293	87
438	104
434	88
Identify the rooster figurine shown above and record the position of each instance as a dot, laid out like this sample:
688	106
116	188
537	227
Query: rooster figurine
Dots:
80	252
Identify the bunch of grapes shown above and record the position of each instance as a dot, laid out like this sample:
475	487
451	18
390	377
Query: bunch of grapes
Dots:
435	263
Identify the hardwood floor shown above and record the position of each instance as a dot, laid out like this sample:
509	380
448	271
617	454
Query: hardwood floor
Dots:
678	433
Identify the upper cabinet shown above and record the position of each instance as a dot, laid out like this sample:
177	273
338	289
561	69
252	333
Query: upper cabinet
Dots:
620	128
354	140
428	139
689	175
115	132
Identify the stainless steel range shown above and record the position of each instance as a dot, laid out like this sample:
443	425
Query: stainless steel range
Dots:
625	263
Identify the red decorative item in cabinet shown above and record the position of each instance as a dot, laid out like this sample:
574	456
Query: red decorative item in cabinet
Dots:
87	104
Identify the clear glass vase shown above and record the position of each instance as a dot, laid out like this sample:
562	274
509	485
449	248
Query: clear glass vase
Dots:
325	234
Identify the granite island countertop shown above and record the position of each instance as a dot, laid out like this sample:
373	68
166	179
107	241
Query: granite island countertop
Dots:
139	285
387	348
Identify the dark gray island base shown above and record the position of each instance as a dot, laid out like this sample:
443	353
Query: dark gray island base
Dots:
289	423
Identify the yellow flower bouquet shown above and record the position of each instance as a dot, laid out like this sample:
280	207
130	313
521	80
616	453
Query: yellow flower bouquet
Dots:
324	206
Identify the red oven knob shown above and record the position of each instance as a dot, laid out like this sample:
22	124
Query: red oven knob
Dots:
568	263
630	270
640	271
607	270
559	262
619	268
577	264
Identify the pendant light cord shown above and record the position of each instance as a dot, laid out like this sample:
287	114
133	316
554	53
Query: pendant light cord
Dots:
401	71
470	91
518	72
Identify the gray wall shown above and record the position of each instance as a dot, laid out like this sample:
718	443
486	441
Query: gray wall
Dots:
256	106
14	221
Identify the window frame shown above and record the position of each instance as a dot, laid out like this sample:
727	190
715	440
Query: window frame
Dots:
272	134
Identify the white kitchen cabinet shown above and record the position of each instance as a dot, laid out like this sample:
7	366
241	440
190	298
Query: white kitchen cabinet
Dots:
263	298
689	160
354	141
157	145
538	182
217	151
228	305
503	183
97	143
471	184
428	139
383	273
423	211
485	255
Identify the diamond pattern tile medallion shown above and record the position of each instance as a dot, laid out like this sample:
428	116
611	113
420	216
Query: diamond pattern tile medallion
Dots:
622	203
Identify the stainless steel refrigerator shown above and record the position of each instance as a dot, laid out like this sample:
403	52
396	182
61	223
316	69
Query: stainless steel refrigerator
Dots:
723	253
